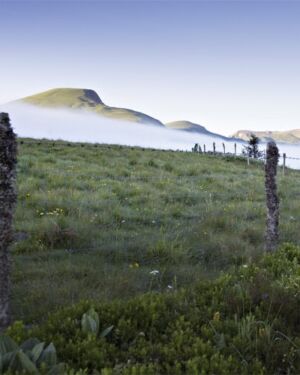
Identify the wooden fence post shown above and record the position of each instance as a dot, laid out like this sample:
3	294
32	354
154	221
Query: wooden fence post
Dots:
8	197
204	149
214	148
223	144
235	149
284	161
272	197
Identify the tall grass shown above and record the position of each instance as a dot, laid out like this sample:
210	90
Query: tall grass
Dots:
86	214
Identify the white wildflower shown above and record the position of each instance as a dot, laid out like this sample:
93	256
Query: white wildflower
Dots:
154	272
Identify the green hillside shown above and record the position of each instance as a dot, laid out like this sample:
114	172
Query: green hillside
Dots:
180	232
192	127
186	125
100	209
87	100
290	136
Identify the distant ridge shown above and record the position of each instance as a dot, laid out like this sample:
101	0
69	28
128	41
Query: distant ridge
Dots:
289	136
88	100
193	128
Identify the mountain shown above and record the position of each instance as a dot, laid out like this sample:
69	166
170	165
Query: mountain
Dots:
289	136
191	127
87	100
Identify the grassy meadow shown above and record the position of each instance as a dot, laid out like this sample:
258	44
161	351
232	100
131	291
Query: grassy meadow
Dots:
95	221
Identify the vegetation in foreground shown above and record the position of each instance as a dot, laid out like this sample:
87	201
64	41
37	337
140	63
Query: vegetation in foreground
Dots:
244	322
93	222
100	224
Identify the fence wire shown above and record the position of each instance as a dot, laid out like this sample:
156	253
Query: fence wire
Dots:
114	146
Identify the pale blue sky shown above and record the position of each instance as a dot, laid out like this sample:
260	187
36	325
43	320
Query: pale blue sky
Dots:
226	65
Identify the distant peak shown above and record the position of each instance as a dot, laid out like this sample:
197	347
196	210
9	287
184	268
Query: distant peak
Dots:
84	94
65	97
183	124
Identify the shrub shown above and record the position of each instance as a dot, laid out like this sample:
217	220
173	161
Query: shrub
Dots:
245	322
31	357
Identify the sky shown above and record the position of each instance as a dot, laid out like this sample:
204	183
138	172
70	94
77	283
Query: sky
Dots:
227	65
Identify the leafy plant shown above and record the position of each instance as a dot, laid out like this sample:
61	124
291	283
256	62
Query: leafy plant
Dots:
90	324
32	357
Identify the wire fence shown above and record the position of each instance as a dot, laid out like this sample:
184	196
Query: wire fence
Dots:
203	150
197	148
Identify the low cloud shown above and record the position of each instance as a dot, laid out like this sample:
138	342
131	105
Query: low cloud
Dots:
79	126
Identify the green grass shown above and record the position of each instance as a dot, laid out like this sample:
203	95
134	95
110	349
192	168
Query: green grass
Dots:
93	221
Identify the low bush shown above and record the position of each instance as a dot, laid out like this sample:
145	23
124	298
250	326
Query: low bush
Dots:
245	322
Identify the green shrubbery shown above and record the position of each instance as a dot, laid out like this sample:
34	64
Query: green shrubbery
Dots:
245	322
31	357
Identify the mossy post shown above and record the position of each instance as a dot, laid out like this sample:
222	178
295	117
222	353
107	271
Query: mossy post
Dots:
8	197
272	197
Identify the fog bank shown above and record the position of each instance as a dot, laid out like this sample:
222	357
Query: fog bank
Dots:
78	126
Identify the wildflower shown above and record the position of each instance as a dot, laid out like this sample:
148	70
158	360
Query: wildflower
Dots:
41	213
153	221
245	265
170	287
123	221
134	265
154	272
28	195
216	316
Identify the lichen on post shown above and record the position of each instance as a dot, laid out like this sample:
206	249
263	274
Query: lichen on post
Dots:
8	198
272	197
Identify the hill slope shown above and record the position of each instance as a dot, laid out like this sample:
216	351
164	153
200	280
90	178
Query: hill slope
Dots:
107	223
192	127
87	100
289	136
85	214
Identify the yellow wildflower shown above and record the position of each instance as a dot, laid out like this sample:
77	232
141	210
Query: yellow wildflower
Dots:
216	316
